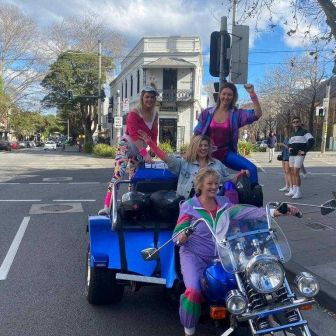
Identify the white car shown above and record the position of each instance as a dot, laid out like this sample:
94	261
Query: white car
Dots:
50	145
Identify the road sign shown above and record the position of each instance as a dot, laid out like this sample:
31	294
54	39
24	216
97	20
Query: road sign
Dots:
125	105
118	122
326	102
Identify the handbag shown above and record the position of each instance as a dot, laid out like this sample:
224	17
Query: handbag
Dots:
279	157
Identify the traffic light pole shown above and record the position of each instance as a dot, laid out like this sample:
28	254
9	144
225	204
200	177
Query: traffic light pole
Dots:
223	47
99	86
325	119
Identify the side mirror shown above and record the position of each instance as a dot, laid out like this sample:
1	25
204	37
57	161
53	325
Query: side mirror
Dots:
328	207
150	253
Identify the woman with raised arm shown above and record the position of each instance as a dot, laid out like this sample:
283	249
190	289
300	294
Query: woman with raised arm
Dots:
131	148
222	122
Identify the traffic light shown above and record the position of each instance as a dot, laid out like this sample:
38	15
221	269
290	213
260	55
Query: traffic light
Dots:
109	118
215	48
70	95
320	111
102	95
215	94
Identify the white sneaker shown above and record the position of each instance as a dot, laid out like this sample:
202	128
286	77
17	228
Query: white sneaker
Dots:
285	188
104	212
297	195
290	193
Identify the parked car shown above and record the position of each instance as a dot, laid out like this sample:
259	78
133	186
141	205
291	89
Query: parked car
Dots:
22	144
50	145
5	145
262	145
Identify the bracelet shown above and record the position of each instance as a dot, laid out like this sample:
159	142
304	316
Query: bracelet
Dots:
143	152
254	97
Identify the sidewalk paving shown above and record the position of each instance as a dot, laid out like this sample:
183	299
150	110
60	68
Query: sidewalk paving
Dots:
312	238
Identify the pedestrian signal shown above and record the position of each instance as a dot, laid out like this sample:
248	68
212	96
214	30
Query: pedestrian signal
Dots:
320	112
215	48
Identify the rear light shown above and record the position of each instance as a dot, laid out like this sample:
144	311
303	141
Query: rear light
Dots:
218	313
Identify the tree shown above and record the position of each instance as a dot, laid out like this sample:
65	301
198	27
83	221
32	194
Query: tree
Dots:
20	62
78	72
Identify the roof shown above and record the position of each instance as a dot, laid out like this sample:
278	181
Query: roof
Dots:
166	62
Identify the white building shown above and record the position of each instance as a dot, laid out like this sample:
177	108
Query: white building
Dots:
173	65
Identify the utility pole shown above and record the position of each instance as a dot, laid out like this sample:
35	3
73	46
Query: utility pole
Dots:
99	86
68	129
118	133
325	119
223	47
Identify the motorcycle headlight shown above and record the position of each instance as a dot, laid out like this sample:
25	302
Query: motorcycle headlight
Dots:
265	273
307	284
236	302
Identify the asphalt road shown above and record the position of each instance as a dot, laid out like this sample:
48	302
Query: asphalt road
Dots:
42	254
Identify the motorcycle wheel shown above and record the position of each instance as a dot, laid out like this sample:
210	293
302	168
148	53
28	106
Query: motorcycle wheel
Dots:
101	286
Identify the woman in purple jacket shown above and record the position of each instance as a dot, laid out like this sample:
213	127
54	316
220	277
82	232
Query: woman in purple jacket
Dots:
222	122
198	250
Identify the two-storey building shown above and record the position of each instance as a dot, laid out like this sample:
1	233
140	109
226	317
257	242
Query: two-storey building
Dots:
173	65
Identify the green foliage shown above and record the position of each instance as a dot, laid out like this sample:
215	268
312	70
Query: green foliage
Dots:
245	148
104	150
88	147
166	147
184	148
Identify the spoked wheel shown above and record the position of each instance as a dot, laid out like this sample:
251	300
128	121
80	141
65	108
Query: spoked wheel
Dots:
101	284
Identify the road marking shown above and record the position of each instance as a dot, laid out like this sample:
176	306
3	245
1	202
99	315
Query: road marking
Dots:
9	183
78	200
84	182
43	182
22	200
7	263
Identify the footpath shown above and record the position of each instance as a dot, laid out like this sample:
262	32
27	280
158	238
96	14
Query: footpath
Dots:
312	238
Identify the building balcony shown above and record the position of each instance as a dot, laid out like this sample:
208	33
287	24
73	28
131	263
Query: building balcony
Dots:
173	96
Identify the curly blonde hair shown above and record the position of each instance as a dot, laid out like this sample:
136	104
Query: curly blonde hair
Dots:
202	175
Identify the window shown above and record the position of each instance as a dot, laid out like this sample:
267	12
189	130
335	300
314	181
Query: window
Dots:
126	88
138	81
131	94
122	91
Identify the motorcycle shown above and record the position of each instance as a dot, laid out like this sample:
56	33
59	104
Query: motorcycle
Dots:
247	284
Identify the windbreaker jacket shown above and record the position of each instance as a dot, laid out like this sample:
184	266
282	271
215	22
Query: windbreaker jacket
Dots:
238	118
300	140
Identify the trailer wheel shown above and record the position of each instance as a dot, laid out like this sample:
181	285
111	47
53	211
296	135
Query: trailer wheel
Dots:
101	286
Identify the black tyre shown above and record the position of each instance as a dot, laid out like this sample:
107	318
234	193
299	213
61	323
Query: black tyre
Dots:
101	286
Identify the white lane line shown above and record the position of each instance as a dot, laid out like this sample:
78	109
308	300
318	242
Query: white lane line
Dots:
84	182
43	182
7	263
9	183
78	200
22	200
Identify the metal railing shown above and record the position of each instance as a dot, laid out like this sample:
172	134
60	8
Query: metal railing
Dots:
175	95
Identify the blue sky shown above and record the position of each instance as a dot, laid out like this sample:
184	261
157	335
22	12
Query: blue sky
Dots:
138	18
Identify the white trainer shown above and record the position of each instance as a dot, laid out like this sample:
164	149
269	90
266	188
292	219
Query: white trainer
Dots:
285	188
290	193
297	195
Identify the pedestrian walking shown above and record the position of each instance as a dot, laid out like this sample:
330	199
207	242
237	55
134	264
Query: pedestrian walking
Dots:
299	144
222	122
271	144
132	150
285	161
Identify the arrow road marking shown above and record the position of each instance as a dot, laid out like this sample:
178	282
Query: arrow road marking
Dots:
7	263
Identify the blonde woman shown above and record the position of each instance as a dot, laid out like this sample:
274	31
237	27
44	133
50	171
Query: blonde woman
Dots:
198	156
198	250
132	150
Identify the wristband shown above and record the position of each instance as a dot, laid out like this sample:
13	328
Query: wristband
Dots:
254	97
143	152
